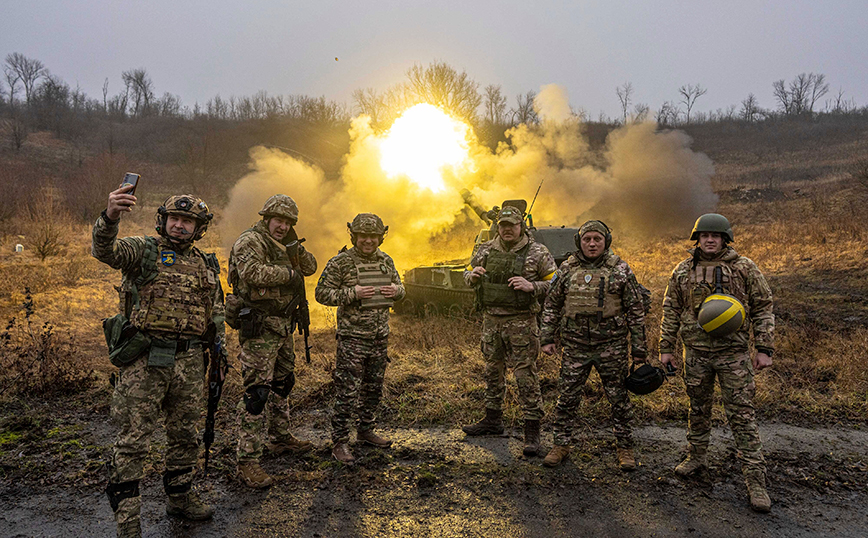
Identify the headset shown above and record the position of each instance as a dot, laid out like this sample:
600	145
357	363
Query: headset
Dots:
577	239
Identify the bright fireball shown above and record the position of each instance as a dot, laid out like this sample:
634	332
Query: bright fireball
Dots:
421	143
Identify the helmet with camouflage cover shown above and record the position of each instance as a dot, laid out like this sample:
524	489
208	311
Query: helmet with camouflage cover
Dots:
712	222
367	223
280	205
184	205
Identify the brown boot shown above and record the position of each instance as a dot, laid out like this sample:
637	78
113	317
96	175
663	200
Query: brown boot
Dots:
131	528
291	445
557	454
252	475
695	460
189	506
626	459
755	480
372	438
492	424
342	453
531	438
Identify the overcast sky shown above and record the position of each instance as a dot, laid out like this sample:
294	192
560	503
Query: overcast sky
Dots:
197	49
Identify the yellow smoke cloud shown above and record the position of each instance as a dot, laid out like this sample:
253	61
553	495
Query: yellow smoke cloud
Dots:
643	180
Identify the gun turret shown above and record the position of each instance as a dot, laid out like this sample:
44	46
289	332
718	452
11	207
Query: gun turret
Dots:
488	217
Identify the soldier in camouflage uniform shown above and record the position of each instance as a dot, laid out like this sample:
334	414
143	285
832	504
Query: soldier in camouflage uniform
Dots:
171	294
511	273
363	283
265	270
727	358
595	307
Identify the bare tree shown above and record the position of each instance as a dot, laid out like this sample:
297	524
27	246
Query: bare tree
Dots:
495	105
625	96
524	111
105	96
802	93
140	87
371	103
28	70
668	114
640	113
12	79
689	95
441	85
749	108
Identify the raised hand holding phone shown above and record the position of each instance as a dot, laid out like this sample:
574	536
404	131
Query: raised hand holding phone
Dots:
122	199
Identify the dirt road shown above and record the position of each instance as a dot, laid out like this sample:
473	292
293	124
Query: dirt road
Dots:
436	483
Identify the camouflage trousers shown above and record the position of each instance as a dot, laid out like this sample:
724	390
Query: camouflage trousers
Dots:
264	359
512	342
610	360
734	372
360	367
142	395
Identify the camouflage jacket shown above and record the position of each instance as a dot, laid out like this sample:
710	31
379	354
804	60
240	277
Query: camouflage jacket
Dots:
126	254
585	329
258	268
337	287
539	268
745	282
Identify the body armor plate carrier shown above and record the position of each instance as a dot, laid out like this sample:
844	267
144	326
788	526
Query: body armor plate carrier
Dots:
374	274
589	292
494	289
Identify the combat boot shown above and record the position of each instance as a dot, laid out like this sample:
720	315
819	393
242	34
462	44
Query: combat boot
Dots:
189	506
755	480
557	454
252	475
626	459
492	424
290	444
372	438
342	453
531	438
131	528
695	460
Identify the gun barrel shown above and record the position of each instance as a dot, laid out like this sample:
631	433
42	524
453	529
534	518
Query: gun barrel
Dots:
473	204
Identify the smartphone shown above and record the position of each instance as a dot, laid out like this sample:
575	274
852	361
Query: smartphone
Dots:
131	179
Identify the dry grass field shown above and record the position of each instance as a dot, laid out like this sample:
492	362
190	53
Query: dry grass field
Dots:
796	194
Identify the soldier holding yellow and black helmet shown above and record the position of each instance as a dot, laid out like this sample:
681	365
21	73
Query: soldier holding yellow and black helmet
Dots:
171	296
363	283
714	267
265	270
511	273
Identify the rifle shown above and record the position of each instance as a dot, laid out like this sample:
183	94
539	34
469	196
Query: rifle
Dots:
215	355
299	308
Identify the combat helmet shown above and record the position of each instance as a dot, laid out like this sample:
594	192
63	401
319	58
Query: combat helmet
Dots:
367	223
712	222
280	205
183	205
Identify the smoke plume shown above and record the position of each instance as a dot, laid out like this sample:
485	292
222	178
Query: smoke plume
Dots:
643	181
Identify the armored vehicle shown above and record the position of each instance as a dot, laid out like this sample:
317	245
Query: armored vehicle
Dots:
440	288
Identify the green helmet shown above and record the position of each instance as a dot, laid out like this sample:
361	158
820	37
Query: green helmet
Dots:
712	222
280	205
184	205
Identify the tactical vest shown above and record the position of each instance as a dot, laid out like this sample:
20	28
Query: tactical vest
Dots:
271	300
589	292
175	293
494	289
702	283
374	274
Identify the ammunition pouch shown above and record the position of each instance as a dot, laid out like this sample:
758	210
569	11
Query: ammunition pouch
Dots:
125	342
233	305
177	489
118	492
503	296
250	321
255	398
282	387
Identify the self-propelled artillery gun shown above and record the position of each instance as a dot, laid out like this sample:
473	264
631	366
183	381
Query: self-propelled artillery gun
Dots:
440	288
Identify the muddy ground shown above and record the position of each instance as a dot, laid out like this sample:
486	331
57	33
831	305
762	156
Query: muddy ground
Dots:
435	482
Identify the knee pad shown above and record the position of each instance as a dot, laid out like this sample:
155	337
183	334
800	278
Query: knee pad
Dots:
118	492
177	489
282	387
255	398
